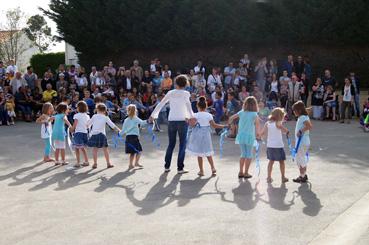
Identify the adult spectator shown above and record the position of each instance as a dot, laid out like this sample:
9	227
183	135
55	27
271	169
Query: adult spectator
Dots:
299	66
23	103
328	79
61	69
166	69
158	66
272	67
261	72
294	90
138	69
284	76
246	61
30	77
11	67
2	71
214	80
307	68
127	81
4	117
146	80
288	65
229	72
111	68
356	83
348	94
166	83
199	68
93	75
317	99
157	82
305	88
99	81
72	72
62	82
82	82
49	94
17	82
46	80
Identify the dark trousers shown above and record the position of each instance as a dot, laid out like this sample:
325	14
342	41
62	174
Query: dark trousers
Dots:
174	127
346	105
4	117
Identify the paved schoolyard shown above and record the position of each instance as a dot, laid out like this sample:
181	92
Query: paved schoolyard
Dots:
42	204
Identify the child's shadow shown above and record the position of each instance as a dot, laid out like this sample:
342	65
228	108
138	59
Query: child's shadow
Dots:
190	189
243	196
310	199
158	196
113	181
77	179
277	197
28	178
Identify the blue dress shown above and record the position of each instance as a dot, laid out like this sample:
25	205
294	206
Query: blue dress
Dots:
59	129
246	128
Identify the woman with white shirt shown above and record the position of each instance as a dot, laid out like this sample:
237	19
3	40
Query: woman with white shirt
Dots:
98	135
181	111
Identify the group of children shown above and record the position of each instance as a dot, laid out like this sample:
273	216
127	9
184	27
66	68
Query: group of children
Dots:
90	132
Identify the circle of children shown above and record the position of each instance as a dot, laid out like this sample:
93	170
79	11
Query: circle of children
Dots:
252	99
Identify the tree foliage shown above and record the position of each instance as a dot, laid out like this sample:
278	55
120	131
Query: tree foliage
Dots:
40	62
39	32
11	45
97	27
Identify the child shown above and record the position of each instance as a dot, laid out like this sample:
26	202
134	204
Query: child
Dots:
132	131
248	126
219	109
303	127
10	107
98	138
46	128
200	143
275	152
80	138
263	112
58	134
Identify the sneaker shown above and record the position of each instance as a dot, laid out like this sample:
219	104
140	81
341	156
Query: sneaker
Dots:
166	170
183	171
297	180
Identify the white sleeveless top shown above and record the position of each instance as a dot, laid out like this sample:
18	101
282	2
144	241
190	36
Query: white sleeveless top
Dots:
275	139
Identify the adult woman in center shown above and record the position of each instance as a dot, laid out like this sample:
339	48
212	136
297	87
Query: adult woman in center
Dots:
180	112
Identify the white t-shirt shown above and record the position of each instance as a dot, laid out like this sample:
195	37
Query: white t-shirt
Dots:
275	139
179	104
274	86
347	93
82	122
203	118
98	122
213	80
46	129
198	69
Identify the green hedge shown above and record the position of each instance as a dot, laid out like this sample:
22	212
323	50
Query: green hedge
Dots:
40	62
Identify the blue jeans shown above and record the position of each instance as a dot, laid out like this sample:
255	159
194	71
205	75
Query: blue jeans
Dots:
4	117
174	127
357	104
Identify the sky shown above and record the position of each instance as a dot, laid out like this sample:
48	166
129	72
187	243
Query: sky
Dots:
30	7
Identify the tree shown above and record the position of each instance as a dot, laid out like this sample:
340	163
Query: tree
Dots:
11	46
39	32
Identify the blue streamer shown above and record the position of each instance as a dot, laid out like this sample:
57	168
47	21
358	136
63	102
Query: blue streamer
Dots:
117	137
257	157
221	141
154	139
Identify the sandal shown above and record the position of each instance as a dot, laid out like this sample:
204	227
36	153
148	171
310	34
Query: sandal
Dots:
284	180
131	167
200	173
110	166
57	163
214	172
240	176
85	164
94	166
270	180
64	163
139	166
248	176
77	165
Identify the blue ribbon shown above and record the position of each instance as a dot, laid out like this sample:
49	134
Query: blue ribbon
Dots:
293	151
154	139
257	156
223	134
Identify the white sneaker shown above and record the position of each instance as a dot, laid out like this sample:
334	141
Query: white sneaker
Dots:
183	171
167	170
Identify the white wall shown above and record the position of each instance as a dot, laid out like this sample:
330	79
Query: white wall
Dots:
70	55
29	50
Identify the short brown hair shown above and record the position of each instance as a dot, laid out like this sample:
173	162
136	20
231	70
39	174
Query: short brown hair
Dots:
61	108
181	81
299	108
82	107
201	104
100	107
46	107
250	104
